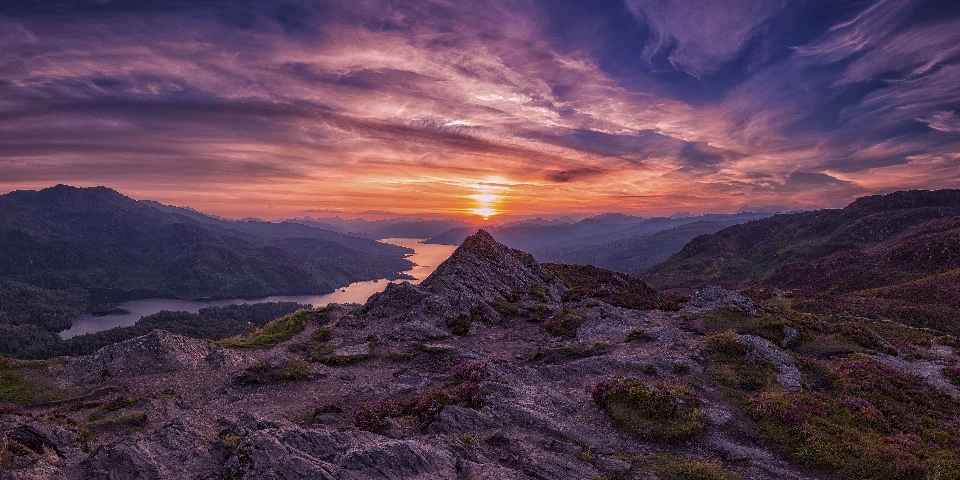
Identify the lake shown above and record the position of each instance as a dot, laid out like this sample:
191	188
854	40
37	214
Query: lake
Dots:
426	257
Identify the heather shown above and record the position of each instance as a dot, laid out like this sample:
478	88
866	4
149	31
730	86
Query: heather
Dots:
661	411
875	423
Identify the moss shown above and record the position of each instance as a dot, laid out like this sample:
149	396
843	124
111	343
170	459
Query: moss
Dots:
323	334
540	293
733	367
123	421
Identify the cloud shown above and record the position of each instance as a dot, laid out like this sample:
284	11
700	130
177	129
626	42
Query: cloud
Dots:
350	105
700	37
944	121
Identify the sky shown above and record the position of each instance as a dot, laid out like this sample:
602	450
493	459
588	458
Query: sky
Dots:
275	108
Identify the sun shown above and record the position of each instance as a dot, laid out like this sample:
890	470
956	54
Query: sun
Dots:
486	198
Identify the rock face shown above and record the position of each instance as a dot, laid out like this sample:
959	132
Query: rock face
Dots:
480	274
156	352
713	298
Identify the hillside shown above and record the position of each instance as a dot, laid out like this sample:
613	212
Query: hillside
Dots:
498	367
99	241
871	257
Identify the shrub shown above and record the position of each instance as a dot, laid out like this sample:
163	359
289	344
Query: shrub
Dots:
459	325
11	409
565	324
665	412
639	335
373	416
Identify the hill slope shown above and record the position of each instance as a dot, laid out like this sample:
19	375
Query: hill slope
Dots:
870	258
97	239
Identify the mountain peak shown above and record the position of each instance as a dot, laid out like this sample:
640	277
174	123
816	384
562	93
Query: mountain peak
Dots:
479	274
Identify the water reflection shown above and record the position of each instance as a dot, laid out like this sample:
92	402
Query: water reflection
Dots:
426	257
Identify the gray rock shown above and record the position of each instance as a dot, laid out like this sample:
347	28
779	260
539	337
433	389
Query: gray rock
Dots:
789	335
480	272
455	419
176	450
713	298
617	467
789	377
360	349
156	352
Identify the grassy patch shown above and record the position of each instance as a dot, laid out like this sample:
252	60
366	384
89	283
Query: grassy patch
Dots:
459	325
288	370
639	335
566	323
671	467
733	367
126	421
865	420
22	383
663	412
274	332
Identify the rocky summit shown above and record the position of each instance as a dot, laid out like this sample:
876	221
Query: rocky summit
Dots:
490	369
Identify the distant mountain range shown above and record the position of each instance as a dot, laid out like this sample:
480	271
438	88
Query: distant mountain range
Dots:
98	241
613	241
894	256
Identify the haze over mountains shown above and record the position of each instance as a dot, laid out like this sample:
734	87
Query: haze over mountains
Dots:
624	243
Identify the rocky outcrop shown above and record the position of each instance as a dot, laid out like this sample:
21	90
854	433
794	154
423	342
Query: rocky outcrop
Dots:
714	298
789	376
478	276
156	352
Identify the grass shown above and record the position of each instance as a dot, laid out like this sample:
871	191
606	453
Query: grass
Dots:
566	323
288	370
733	367
273	332
662	411
670	467
856	419
21	383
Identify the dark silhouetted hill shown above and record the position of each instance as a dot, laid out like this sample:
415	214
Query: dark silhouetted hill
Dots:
64	238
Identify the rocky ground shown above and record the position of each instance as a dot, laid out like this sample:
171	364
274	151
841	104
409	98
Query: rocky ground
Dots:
482	371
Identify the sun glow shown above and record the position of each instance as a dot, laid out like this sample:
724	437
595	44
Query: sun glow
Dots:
487	196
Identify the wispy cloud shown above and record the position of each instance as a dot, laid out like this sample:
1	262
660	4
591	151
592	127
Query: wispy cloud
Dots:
372	105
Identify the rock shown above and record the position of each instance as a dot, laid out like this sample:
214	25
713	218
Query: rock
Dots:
290	452
713	298
456	419
789	335
156	352
174	451
360	349
465	287
617	467
789	377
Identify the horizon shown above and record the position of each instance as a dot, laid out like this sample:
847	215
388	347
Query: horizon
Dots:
481	110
